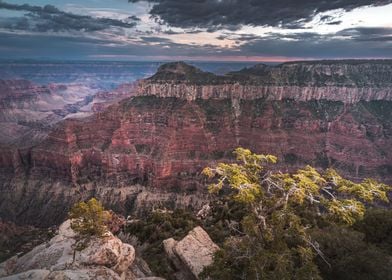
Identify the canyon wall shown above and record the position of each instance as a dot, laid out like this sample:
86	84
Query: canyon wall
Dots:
345	81
149	150
28	111
191	92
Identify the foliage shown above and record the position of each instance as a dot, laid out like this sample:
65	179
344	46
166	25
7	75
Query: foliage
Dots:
274	240
89	218
156	227
350	256
377	228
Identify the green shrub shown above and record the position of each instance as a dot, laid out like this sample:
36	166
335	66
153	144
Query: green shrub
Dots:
350	256
377	228
273	239
156	227
89	218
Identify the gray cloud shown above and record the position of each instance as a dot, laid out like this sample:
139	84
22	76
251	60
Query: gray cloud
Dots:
360	43
155	40
65	47
230	14
367	33
49	18
304	46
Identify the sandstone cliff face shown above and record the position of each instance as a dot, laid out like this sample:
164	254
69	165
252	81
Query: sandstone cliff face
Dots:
347	81
150	149
345	94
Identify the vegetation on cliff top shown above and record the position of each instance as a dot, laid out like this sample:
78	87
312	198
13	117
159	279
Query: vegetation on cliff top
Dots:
89	218
274	237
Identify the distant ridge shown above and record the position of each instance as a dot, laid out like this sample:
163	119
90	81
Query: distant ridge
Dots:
371	73
347	81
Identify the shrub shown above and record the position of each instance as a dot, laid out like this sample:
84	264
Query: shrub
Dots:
89	218
274	238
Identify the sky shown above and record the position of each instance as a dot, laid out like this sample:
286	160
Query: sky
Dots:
199	30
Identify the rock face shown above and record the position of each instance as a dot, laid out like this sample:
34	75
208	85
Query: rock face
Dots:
191	254
103	258
344	81
28	111
149	150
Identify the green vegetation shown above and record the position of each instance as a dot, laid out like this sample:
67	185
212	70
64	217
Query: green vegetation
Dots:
215	111
89	218
381	109
349	255
143	148
18	240
290	219
377	228
325	109
156	227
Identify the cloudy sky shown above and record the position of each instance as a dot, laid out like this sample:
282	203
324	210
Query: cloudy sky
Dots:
212	30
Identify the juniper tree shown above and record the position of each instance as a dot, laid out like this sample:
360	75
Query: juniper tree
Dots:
89	218
274	240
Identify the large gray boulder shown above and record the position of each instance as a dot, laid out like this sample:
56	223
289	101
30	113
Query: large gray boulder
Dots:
102	273
191	254
106	257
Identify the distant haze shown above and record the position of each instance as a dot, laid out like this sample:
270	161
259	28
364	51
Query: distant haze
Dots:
99	74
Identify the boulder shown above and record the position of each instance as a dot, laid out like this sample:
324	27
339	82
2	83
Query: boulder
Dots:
150	278
104	257
191	254
75	274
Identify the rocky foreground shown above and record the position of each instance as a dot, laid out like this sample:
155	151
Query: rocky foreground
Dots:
106	258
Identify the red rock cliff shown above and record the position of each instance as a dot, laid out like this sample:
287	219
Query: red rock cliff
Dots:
150	149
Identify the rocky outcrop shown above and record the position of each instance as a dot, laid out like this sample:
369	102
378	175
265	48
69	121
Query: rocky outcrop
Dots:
344	94
191	254
29	111
344	81
104	258
71	274
150	149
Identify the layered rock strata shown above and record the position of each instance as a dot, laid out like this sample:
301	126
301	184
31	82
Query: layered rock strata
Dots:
150	149
344	81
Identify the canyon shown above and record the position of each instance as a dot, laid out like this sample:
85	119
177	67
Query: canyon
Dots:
148	149
28	111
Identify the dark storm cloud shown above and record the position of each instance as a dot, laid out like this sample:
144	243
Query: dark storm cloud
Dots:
155	40
337	22
49	18
322	48
238	37
172	32
367	33
300	46
217	14
330	20
47	46
356	43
